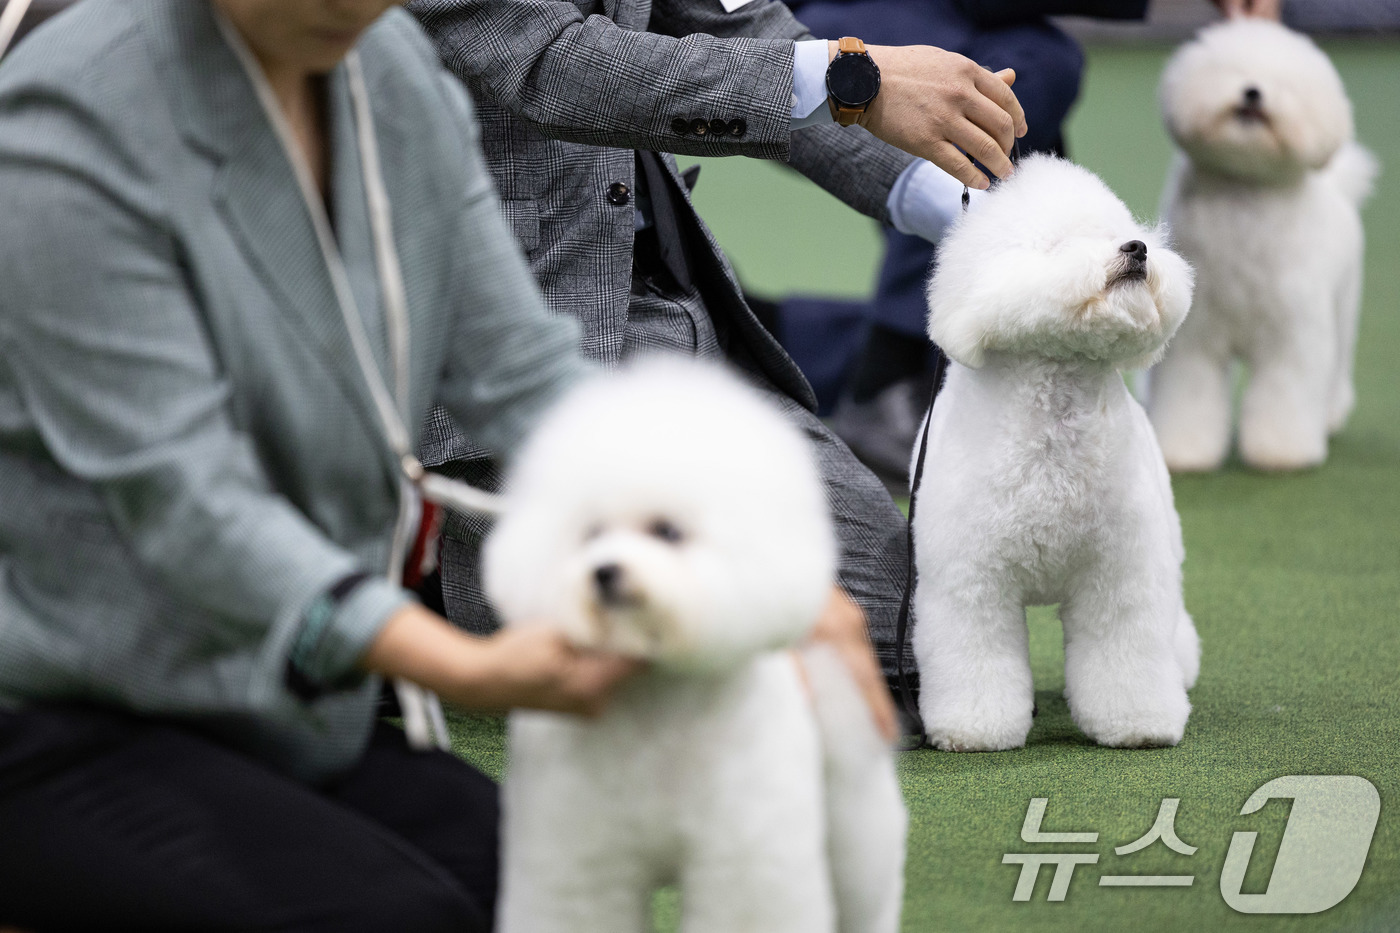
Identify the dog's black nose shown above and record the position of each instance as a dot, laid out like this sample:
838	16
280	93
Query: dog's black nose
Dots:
1136	249
607	577
1252	96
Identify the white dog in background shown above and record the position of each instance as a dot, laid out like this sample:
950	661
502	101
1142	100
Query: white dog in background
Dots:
1264	203
1043	482
667	512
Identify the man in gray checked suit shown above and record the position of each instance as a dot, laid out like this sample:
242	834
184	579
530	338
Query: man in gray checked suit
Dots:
581	104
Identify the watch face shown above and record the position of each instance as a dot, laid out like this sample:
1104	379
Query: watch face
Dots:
853	80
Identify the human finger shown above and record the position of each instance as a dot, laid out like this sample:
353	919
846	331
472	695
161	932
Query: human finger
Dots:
974	141
594	677
999	90
952	160
842	626
994	121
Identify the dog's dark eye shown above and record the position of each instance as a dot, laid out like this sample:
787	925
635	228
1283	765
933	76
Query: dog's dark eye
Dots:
663	529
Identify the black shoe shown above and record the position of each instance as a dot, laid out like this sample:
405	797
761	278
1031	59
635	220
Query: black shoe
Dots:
882	431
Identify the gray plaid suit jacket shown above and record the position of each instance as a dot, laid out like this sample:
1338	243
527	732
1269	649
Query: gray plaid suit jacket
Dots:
567	90
189	457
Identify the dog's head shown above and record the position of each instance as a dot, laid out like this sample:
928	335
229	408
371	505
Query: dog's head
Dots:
1051	264
1252	99
665	512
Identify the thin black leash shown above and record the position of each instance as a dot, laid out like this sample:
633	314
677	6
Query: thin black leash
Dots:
911	742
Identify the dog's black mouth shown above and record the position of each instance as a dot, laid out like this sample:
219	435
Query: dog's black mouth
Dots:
620	601
1131	272
1251	113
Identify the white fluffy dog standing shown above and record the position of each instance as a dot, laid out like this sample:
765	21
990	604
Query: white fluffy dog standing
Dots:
1043	482
1264	203
667	512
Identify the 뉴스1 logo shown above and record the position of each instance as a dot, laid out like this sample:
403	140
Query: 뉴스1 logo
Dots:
1319	861
1324	844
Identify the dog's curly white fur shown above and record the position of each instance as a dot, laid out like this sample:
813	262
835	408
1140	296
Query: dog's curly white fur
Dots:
1043	482
1264	201
668	513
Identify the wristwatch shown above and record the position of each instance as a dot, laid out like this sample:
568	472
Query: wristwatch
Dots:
852	81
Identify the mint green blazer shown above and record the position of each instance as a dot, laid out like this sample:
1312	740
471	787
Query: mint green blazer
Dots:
189	456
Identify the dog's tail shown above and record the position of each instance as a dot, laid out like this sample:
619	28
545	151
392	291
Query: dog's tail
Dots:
1354	170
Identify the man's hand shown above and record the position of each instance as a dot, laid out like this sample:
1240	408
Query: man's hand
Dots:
1263	9
944	107
842	626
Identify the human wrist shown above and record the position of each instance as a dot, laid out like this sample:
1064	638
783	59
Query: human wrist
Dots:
418	645
852	82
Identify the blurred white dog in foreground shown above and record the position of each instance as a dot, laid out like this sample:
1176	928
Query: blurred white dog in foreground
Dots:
1043	482
667	512
1264	203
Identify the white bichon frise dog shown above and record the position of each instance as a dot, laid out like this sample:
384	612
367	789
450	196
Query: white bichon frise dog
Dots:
1043	482
668	513
1264	203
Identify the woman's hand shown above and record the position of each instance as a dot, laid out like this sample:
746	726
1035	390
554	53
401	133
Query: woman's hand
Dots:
534	668
538	668
842	626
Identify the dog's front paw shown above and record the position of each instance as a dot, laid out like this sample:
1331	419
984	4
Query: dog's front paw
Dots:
1278	437
1137	728
984	733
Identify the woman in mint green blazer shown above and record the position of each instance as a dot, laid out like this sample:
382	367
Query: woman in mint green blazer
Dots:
197	492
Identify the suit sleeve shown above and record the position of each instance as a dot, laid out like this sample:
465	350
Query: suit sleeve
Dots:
511	358
848	162
102	340
587	79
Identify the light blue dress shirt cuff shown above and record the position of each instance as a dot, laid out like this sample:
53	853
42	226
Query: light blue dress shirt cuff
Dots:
925	200
809	61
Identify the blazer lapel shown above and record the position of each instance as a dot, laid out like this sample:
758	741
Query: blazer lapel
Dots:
256	191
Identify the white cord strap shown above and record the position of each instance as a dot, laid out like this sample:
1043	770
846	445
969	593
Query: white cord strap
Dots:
9	22
424	723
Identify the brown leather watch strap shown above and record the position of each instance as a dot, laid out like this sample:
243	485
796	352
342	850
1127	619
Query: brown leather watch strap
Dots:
848	116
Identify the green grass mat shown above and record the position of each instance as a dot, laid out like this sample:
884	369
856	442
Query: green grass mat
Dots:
1294	583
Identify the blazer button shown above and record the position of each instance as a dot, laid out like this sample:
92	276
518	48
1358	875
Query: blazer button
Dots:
618	194
738	127
719	128
700	127
680	126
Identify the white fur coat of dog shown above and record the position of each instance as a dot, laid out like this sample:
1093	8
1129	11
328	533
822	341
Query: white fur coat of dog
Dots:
1043	482
1264	202
668	513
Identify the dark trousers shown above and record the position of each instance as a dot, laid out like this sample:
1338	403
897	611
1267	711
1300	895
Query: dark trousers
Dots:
110	822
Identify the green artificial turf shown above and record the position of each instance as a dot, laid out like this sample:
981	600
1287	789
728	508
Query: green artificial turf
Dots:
1294	582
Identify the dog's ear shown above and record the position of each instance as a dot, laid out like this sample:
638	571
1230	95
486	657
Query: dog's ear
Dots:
957	335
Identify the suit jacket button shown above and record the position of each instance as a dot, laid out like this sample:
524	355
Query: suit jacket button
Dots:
719	128
680	126
699	127
618	194
738	127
